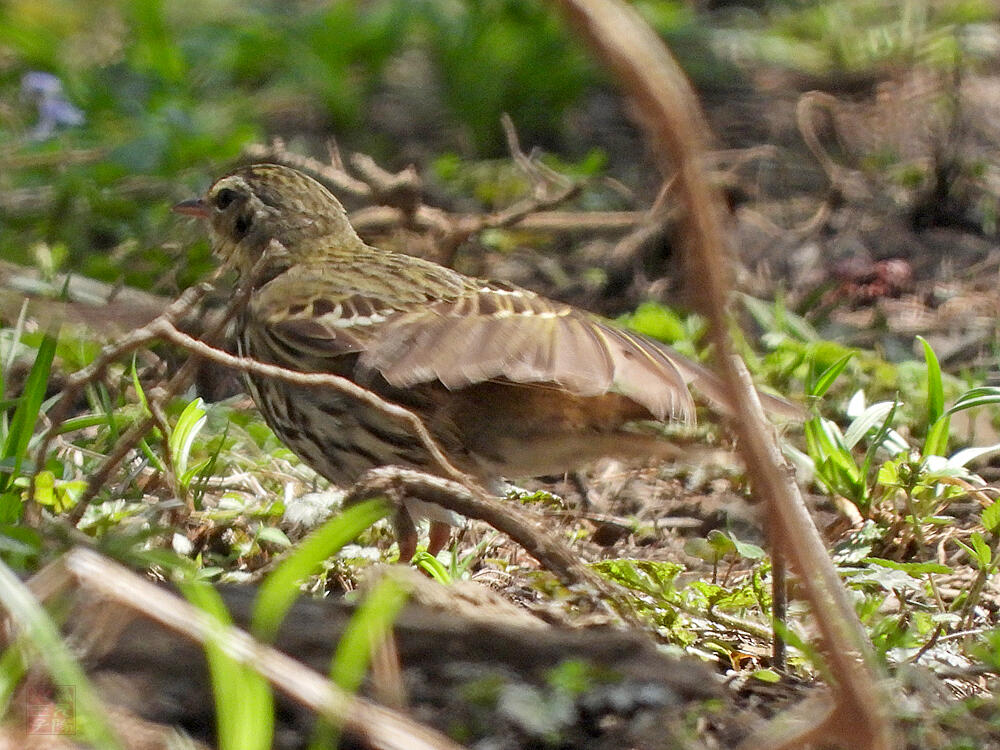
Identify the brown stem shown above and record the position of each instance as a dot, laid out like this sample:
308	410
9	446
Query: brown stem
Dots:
671	116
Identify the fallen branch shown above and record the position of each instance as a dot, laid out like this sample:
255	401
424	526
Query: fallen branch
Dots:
375	726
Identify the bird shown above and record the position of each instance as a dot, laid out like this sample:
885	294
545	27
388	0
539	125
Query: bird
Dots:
509	383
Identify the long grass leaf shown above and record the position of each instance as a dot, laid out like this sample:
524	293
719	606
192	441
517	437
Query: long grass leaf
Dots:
935	387
244	703
22	424
43	639
280	590
367	630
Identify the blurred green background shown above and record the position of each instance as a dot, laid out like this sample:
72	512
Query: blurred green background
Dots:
170	92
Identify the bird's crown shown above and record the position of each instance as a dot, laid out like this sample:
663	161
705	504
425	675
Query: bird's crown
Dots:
257	205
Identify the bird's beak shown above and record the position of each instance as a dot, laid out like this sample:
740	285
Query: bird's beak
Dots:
192	207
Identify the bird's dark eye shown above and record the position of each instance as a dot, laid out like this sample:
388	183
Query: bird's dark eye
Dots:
224	197
242	226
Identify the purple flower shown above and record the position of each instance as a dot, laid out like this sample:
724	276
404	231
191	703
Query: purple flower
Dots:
54	110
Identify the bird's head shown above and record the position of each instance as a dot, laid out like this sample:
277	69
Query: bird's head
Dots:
269	206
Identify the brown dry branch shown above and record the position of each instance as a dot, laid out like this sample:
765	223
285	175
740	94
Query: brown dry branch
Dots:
373	725
401	204
401	190
670	114
384	218
397	483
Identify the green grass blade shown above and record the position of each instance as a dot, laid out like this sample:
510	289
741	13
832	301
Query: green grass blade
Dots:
244	703
936	443
983	396
280	590
827	378
26	414
935	387
864	499
181	439
371	624
43	639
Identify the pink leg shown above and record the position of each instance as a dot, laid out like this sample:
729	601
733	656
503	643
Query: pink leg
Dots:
440	535
406	535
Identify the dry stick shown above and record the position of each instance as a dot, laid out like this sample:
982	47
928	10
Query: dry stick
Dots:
78	380
671	116
475	503
375	726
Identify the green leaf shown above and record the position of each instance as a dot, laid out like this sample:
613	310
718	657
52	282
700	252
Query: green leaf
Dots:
367	631
936	443
963	457
835	465
747	550
273	535
650	577
432	567
979	551
139	389
45	482
984	396
823	382
935	388
724	542
916	569
189	424
281	588
243	699
22	424
720	542
657	321
880	439
874	416
983	553
991	517
370	624
193	472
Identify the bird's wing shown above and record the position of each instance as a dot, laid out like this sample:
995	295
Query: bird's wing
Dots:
494	331
476	333
309	314
479	331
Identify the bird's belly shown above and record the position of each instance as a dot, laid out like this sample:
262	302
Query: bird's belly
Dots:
338	436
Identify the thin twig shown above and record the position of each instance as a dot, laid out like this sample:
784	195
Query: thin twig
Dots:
319	380
472	502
